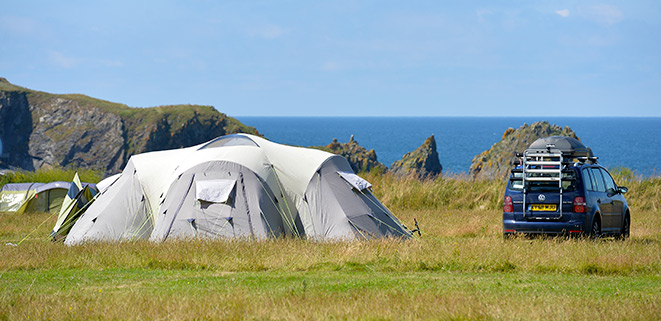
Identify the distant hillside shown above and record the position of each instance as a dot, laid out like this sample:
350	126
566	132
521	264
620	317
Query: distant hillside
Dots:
42	130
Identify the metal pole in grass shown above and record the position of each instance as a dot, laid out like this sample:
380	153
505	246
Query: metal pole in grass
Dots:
417	228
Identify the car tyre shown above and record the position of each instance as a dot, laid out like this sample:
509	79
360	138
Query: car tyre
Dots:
595	231
626	228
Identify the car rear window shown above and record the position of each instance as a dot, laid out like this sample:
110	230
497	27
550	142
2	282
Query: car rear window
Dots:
568	183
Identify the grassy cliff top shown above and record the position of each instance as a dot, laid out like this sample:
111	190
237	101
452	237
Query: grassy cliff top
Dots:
175	114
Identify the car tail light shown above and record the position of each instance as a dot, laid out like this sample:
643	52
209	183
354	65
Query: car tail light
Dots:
507	205
579	205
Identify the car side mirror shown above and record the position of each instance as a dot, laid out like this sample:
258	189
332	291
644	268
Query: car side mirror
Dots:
610	192
622	189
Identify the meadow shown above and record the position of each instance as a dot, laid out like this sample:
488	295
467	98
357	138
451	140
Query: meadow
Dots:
460	268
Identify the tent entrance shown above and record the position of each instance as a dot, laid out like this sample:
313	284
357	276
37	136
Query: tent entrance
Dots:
218	199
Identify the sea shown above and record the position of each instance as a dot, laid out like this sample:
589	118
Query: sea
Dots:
628	142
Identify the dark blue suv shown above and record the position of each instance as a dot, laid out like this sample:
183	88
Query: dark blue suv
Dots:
557	187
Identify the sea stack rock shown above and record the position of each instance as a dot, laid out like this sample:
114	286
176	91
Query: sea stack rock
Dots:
422	162
359	158
495	163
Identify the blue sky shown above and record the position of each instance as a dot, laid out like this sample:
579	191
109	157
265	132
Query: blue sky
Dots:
344	58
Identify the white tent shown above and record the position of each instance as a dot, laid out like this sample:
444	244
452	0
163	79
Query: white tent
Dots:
241	182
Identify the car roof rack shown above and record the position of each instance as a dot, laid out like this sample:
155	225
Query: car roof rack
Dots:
546	158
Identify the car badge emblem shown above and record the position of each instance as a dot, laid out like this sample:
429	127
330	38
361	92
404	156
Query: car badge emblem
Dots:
541	197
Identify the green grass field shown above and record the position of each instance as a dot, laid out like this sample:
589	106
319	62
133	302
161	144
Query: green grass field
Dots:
461	268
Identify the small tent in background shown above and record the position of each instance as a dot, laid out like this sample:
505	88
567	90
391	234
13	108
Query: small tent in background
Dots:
12	196
236	186
75	203
32	197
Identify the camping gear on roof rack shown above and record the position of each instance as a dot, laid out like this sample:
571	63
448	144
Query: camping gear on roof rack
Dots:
568	147
546	159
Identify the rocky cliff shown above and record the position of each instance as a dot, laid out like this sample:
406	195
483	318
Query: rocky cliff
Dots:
421	163
41	130
495	163
359	158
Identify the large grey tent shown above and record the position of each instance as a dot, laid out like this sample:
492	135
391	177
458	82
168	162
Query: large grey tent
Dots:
237	186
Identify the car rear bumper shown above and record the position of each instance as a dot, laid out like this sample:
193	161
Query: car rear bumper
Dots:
572	226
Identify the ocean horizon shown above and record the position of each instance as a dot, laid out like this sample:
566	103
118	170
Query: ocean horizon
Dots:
630	142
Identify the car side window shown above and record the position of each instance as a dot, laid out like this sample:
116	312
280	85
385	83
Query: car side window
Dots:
515	181
587	179
610	183
597	180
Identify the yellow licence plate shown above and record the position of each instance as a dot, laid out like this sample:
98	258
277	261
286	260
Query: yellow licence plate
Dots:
544	207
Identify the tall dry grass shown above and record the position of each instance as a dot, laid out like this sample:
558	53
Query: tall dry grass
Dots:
460	220
460	191
460	268
454	191
454	240
644	192
51	175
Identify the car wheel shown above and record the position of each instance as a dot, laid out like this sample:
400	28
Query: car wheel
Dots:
626	228
595	231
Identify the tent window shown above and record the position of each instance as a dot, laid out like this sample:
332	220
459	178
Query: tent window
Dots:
214	191
355	181
230	140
